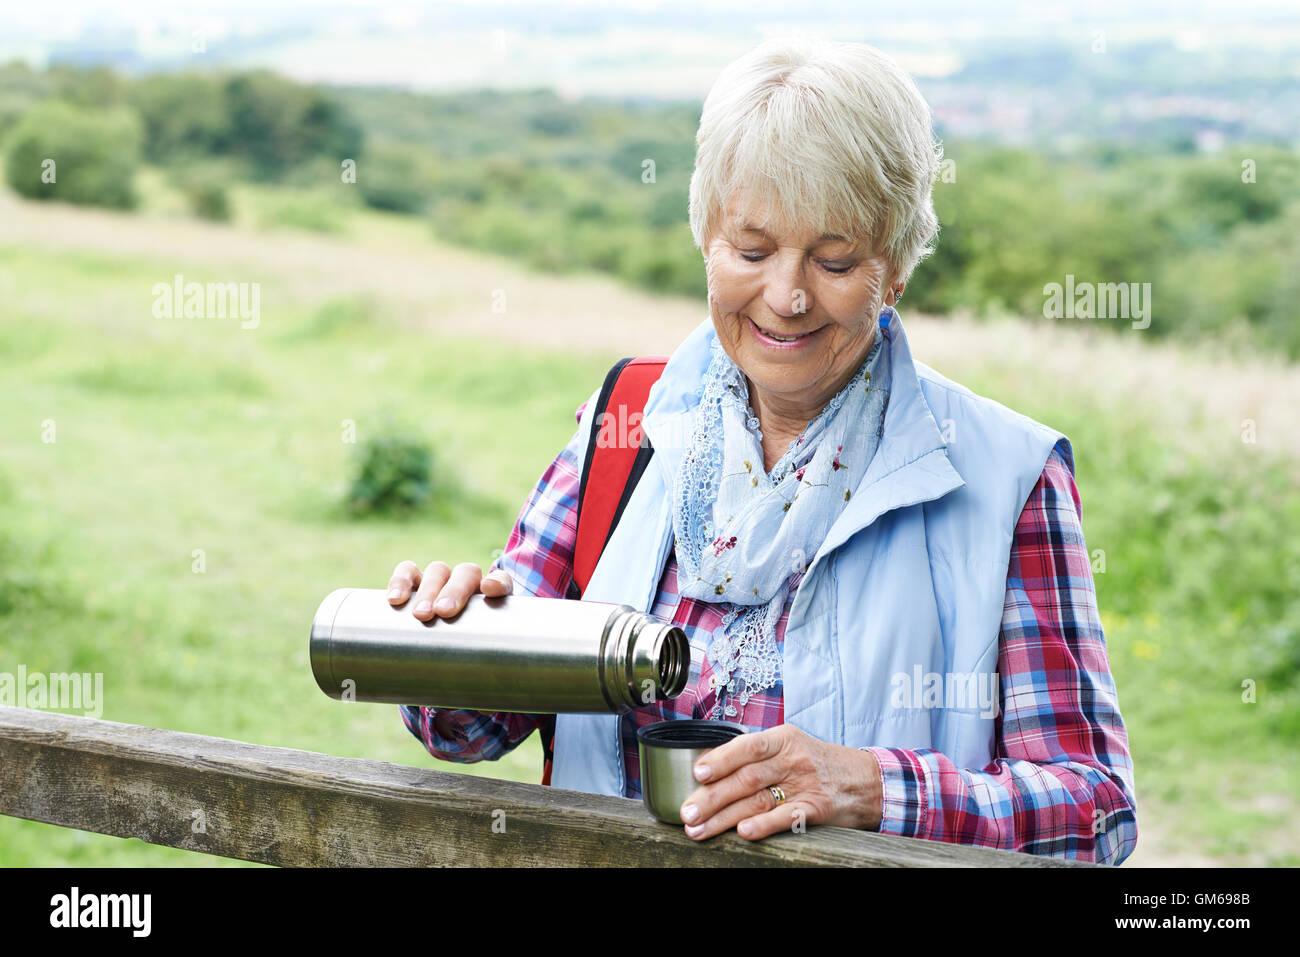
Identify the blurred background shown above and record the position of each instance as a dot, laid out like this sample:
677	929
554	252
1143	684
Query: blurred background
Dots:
446	220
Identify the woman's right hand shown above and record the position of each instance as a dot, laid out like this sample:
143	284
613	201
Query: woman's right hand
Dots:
443	590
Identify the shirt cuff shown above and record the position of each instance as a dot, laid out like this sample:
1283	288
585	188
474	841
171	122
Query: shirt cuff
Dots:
904	804
422	717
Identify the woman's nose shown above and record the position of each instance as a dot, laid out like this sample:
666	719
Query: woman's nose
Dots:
784	290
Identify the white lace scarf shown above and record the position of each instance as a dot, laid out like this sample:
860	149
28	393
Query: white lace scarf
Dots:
742	533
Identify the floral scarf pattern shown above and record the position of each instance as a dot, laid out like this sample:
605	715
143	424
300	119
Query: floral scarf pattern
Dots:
741	532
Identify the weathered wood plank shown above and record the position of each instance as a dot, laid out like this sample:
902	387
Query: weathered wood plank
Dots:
299	808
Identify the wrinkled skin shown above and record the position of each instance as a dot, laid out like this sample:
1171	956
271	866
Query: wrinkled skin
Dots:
823	784
789	284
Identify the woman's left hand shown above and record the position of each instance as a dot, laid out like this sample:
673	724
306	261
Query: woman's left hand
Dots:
823	784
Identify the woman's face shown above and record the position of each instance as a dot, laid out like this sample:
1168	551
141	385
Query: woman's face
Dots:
826	290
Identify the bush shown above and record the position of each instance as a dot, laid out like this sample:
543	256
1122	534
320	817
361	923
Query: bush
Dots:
394	474
204	189
395	178
91	156
209	201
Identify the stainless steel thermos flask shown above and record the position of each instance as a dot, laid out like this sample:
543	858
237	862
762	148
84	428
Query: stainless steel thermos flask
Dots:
513	653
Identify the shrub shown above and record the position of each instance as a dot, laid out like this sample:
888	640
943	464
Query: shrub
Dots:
209	201
394	474
395	178
91	155
204	189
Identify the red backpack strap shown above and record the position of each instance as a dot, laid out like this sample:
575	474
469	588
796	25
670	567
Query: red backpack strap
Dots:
618	452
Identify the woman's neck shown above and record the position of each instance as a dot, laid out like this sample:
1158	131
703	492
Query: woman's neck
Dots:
775	446
780	428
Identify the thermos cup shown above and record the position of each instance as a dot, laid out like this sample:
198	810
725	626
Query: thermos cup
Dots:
512	653
669	750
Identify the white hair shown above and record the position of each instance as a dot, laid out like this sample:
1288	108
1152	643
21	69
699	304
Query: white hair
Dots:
828	135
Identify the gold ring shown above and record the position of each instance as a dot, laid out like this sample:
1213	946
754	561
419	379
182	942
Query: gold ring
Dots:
777	794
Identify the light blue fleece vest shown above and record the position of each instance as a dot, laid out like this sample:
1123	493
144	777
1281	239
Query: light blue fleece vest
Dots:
908	584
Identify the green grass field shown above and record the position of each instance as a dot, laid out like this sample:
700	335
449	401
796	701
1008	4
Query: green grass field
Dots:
193	434
172	437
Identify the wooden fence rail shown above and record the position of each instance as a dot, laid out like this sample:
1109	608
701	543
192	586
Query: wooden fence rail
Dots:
299	808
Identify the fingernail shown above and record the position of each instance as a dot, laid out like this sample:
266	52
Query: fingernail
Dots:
689	813
702	772
696	830
423	608
394	593
445	604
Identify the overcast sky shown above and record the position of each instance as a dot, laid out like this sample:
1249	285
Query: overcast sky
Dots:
672	48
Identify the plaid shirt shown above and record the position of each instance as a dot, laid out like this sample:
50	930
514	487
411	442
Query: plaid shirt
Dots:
1061	781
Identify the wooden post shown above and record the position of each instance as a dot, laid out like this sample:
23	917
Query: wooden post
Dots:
299	808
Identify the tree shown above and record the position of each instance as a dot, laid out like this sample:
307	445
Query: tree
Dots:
276	124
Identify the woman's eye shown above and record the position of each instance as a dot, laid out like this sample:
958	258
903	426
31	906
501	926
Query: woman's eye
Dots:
836	267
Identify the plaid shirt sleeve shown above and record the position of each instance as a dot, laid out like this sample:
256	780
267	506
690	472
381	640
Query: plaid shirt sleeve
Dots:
539	558
1061	782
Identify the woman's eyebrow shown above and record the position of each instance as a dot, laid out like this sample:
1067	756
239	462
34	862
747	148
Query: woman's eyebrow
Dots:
823	238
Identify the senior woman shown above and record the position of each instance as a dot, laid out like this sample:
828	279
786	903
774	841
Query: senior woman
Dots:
882	575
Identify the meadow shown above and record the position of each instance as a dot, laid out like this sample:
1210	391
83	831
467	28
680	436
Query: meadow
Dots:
180	529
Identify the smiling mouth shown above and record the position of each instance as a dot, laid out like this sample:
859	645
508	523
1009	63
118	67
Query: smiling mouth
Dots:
779	337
